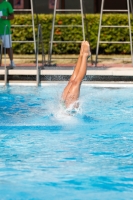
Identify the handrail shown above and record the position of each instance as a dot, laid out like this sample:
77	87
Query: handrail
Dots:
129	10
39	40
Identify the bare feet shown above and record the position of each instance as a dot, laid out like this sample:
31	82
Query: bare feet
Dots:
82	48
86	49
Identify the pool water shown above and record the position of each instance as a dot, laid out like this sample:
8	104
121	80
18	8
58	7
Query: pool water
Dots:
46	154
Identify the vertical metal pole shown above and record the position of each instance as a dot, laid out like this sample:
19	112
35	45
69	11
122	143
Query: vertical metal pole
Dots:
6	74
52	34
42	45
39	39
99	32
10	43
82	15
38	76
37	49
33	25
130	31
131	4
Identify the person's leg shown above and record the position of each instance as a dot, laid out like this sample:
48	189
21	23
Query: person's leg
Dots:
75	72
82	70
74	91
8	45
10	53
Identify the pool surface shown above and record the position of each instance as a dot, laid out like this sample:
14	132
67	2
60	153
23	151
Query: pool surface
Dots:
46	154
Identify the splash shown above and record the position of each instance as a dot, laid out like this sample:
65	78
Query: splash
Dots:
67	115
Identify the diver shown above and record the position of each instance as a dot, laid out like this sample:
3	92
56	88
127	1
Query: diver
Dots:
71	92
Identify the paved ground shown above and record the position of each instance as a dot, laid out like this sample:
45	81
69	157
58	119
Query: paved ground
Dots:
70	60
109	68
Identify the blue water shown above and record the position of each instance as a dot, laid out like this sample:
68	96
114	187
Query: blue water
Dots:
47	155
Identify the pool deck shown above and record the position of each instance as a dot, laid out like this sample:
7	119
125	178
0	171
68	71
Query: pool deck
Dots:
67	70
106	70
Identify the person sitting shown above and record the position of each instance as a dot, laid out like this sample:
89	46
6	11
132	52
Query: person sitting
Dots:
71	92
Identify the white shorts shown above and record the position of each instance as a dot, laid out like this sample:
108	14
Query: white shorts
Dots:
7	41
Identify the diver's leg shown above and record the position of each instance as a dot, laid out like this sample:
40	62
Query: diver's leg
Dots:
75	72
74	91
82	70
78	64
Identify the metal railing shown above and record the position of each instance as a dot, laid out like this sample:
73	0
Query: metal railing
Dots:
129	7
23	25
52	41
39	41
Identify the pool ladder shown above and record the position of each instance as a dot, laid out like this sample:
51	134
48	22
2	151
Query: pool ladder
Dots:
32	25
129	3
63	26
39	42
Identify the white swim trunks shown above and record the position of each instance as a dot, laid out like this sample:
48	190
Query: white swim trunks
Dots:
6	40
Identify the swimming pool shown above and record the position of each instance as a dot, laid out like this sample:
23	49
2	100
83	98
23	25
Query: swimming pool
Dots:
45	154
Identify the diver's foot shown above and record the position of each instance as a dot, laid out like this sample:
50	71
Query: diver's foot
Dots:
82	48
86	49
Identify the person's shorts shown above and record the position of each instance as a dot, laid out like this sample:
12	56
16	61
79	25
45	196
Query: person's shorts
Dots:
6	40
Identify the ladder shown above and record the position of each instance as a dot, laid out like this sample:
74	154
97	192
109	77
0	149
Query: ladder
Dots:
62	26
129	3
32	25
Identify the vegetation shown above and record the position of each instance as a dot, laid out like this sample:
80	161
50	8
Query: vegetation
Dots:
72	33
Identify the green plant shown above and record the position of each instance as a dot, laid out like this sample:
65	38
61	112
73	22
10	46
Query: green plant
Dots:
72	33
